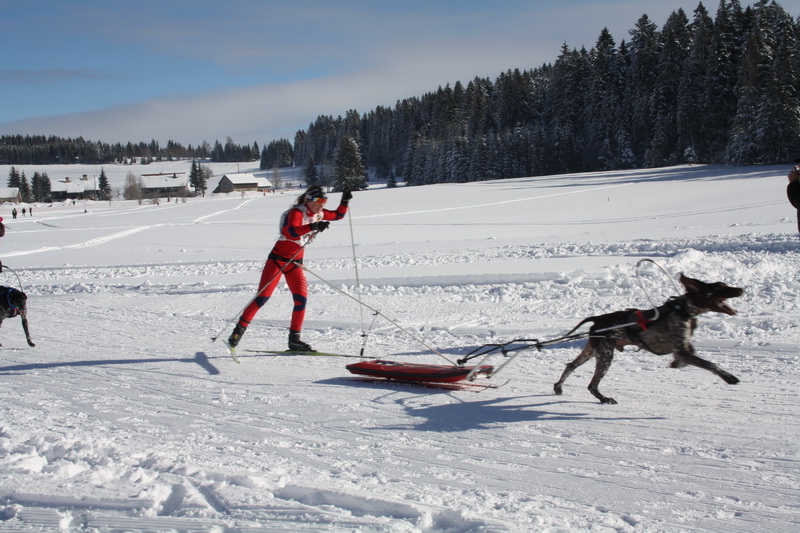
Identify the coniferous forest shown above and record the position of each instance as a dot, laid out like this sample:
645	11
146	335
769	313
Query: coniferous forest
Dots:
714	87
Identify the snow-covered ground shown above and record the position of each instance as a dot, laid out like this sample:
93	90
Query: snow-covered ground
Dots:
126	417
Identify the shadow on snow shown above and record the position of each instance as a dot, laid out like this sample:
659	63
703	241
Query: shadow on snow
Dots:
200	358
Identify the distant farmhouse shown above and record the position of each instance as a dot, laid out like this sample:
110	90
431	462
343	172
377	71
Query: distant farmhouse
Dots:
10	194
73	189
242	182
165	185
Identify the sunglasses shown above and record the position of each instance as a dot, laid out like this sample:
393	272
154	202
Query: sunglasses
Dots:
320	201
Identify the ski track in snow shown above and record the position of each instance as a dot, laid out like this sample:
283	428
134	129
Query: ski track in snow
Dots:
92	242
125	417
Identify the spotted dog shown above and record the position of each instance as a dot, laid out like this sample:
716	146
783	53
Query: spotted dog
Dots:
671	332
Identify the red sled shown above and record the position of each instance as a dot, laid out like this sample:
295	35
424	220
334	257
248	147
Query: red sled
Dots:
416	372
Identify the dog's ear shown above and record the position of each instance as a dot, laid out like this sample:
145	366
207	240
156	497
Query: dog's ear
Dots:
692	285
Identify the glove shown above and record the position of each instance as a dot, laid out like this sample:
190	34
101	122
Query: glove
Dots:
320	226
346	195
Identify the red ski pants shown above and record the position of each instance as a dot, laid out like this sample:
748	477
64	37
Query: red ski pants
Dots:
270	277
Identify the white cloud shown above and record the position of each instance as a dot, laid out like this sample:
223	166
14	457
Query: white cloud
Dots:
349	57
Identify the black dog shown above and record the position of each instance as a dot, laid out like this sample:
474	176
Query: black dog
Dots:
13	303
670	332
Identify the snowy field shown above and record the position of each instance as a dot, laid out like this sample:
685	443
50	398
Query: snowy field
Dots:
126	417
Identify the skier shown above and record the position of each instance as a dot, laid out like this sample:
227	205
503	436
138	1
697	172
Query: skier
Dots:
298	227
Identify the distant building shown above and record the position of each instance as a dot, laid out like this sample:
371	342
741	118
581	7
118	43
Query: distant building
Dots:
73	189
10	194
242	182
165	185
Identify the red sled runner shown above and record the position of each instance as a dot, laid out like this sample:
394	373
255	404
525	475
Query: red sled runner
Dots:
417	372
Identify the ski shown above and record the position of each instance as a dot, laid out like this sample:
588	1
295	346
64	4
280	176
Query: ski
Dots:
232	351
301	353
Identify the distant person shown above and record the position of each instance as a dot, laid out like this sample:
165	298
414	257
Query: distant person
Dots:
14	213
793	191
23	212
2	232
298	227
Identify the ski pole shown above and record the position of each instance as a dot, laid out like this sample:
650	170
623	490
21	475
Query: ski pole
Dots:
273	278
358	283
377	312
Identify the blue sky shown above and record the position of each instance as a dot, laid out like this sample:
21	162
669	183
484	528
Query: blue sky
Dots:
255	71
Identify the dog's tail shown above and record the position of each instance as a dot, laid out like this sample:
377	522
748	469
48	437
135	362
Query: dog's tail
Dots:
582	322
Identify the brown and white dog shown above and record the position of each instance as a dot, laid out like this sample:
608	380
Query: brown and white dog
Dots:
13	302
671	332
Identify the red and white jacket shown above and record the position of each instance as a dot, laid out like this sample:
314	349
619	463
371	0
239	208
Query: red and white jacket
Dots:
295	229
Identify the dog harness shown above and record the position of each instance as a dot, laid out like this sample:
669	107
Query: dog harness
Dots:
674	305
13	308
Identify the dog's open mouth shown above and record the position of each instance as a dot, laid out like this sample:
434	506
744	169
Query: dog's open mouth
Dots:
723	307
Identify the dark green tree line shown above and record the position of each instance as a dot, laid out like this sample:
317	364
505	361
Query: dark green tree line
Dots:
53	150
721	89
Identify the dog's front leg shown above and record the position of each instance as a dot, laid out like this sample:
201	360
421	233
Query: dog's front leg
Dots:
686	356
605	355
26	330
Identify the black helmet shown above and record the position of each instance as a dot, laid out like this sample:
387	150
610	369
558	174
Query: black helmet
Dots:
315	192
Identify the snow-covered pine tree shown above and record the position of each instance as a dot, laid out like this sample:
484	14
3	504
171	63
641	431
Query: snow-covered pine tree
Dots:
349	170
